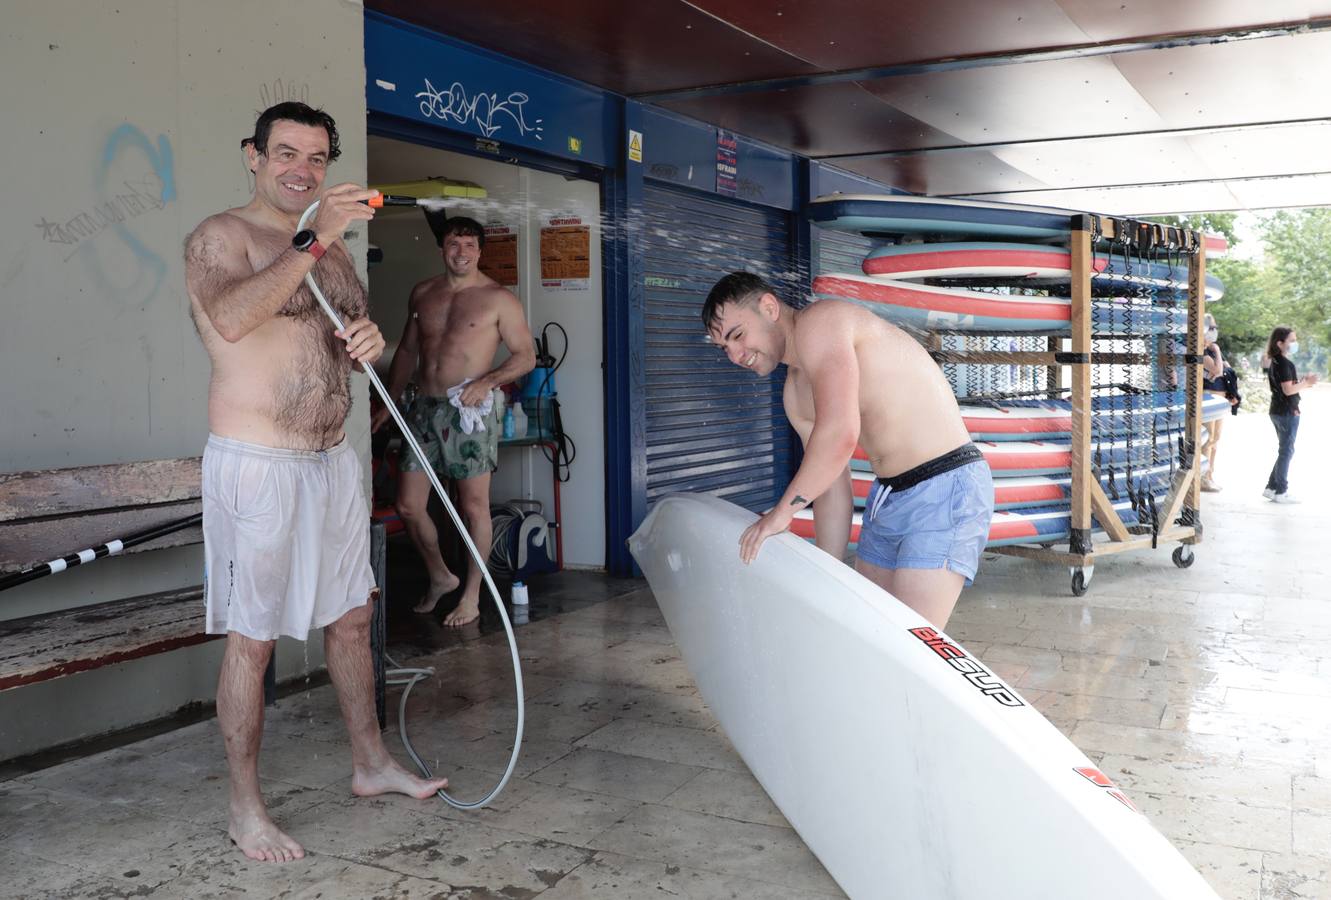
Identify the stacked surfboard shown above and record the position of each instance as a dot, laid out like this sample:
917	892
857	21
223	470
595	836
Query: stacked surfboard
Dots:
973	267
989	268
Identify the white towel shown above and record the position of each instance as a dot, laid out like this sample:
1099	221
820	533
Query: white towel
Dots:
473	417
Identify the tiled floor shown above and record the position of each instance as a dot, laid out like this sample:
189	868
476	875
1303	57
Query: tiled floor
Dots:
1205	693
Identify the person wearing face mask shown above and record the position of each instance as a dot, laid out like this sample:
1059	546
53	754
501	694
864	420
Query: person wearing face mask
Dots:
1285	387
1218	378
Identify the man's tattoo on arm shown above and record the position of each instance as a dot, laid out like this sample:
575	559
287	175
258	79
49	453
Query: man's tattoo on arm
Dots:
799	501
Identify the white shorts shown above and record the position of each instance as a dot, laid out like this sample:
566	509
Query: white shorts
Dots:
286	536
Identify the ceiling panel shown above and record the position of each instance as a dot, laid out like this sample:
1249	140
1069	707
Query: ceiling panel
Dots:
1098	162
1103	21
830	118
848	34
1199	192
1057	166
968	171
1133	201
1276	150
1274	193
1221	84
1023	102
1257	193
626	47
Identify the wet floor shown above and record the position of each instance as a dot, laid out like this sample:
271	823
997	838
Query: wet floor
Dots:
1205	693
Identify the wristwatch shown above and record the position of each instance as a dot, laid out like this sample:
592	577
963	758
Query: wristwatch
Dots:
306	242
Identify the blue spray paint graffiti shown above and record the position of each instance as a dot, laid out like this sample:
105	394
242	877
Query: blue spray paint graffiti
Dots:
160	158
116	207
162	162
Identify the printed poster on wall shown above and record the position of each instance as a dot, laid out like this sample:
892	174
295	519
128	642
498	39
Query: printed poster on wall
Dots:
727	163
566	253
499	259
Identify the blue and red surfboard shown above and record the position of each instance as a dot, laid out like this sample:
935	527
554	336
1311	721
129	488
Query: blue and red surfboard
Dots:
1027	420
1032	265
938	308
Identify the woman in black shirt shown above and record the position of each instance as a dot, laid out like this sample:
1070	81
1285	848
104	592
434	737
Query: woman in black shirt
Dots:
1285	386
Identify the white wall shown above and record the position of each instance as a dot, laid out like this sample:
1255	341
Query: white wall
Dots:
122	131
518	197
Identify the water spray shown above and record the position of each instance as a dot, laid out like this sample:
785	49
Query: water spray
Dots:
415	675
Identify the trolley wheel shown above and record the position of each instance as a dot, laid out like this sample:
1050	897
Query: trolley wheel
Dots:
1078	583
1183	556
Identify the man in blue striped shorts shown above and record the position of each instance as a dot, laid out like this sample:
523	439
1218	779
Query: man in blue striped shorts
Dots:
854	377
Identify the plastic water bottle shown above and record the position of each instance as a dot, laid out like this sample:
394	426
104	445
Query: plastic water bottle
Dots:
519	594
509	424
519	420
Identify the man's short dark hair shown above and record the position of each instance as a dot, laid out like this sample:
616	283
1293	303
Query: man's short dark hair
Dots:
462	226
301	114
737	287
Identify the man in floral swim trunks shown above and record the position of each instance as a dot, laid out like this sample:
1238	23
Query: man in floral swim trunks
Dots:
455	324
452	452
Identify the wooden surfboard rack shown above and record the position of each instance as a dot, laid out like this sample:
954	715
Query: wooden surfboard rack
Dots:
1182	504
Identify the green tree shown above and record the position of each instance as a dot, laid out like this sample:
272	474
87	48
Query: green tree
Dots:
1290	285
1209	222
1298	248
1250	307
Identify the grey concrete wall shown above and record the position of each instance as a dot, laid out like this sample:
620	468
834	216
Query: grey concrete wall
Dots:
122	131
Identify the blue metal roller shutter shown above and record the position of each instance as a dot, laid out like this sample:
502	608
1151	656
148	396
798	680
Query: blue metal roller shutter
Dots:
839	251
712	427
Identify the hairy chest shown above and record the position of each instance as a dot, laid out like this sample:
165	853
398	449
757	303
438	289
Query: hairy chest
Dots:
333	273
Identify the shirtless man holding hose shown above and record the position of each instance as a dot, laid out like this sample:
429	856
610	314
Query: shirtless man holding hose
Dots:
285	522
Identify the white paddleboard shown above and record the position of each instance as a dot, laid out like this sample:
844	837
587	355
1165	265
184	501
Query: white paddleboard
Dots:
909	768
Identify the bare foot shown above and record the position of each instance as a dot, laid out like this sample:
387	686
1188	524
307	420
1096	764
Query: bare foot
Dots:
393	779
468	611
436	592
259	839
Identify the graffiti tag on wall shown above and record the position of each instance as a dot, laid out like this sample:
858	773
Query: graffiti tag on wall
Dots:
486	111
137	198
282	92
116	207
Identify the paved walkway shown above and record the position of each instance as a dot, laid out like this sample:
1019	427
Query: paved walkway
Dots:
1205	693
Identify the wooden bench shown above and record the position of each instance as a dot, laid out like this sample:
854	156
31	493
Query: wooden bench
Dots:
48	514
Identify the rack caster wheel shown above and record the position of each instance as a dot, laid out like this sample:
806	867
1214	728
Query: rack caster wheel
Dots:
1183	556
1079	582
